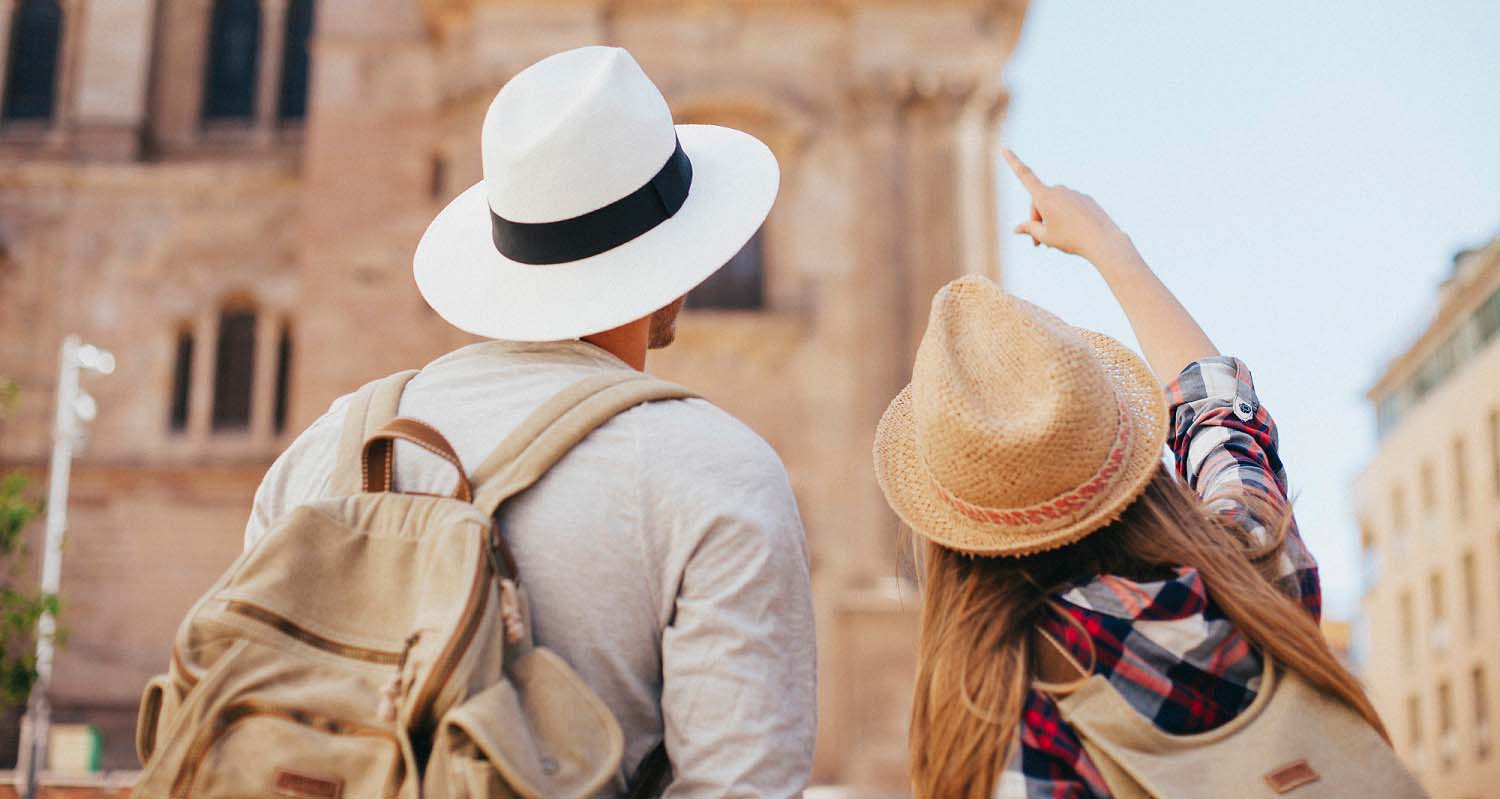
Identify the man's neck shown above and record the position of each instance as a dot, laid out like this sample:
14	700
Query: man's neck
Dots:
626	342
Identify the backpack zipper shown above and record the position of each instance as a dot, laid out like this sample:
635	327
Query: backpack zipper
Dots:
290	628
232	715
421	725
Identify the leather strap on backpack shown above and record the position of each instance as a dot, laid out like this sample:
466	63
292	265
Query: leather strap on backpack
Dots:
373	405
377	464
1055	670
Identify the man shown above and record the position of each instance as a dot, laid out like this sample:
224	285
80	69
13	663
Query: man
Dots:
664	555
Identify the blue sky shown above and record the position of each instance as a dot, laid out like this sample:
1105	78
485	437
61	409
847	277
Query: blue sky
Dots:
1300	174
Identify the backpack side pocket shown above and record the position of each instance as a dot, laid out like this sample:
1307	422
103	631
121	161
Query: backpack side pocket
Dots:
159	703
542	734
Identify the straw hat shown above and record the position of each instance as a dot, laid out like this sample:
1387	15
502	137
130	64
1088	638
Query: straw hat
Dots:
595	209
1019	432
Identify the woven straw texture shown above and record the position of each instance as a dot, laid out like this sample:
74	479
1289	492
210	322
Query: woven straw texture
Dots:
1019	432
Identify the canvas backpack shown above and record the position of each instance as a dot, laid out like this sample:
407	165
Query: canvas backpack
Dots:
378	644
1292	741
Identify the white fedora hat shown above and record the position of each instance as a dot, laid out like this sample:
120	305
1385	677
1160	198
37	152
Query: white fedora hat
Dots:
594	210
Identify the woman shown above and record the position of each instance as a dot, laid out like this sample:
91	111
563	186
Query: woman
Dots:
1027	455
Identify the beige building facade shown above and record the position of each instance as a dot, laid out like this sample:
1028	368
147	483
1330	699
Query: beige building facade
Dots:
226	193
1429	511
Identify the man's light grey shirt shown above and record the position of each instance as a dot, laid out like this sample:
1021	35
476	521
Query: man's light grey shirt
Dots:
664	557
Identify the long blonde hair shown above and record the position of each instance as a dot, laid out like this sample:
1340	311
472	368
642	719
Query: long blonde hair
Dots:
974	659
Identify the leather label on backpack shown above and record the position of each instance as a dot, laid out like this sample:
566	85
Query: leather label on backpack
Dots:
304	786
1293	775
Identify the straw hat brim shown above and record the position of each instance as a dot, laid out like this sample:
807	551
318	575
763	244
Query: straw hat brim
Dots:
476	289
916	500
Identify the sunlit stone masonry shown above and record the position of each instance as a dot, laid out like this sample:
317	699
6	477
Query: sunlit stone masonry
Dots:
227	193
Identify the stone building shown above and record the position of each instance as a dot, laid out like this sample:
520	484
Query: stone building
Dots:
227	193
1429	510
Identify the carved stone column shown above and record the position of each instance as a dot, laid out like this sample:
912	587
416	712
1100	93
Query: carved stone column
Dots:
934	207
268	81
878	119
263	384
201	386
175	109
858	554
978	140
113	67
64	102
916	205
907	246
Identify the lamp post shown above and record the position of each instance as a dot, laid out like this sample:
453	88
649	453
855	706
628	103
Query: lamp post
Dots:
75	408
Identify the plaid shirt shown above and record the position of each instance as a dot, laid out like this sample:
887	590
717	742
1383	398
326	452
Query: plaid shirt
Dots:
1165	645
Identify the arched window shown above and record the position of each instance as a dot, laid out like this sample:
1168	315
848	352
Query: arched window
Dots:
292	102
31	73
737	286
234	369
233	53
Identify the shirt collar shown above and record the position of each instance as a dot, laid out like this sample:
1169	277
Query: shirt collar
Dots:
1177	597
570	350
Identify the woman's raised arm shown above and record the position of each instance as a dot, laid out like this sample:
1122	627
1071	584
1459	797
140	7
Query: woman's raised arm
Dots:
1074	223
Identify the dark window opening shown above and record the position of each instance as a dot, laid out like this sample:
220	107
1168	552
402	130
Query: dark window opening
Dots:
233	52
1470	574
31	74
292	102
234	370
283	375
437	186
737	286
1445	724
182	382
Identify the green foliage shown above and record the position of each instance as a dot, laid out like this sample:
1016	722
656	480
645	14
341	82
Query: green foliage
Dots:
19	614
16	512
10	393
20	610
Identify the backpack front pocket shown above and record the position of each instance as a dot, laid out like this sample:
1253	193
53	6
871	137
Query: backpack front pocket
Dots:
253	749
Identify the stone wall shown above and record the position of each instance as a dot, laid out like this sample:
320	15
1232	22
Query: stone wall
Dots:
883	115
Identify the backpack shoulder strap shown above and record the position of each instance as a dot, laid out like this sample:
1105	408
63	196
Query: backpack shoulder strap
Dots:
1055	670
652	775
373	405
559	424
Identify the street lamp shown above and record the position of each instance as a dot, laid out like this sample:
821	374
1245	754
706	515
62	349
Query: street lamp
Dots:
75	408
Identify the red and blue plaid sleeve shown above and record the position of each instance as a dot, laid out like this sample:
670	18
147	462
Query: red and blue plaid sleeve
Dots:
1165	645
1225	445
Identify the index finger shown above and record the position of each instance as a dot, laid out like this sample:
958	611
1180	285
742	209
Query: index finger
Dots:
1023	172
